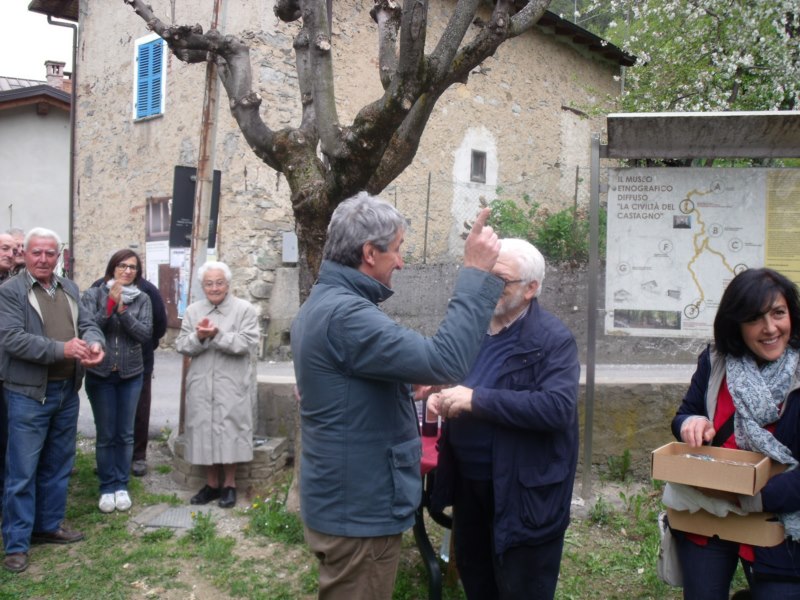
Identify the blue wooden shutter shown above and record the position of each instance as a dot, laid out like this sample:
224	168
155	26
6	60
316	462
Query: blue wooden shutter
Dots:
148	80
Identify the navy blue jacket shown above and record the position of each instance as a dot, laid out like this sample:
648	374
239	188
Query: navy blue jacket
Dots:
782	492
534	411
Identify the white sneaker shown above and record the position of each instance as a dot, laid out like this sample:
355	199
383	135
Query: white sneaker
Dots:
121	500
107	504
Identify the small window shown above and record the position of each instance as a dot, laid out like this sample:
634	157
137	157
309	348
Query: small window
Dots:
149	77
477	170
157	219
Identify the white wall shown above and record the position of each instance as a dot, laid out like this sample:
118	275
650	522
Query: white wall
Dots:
34	169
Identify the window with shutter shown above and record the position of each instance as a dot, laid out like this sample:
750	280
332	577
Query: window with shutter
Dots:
149	76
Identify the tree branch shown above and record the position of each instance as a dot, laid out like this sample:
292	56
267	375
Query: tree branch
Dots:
305	79
315	22
527	17
386	14
287	10
403	146
442	57
489	38
413	28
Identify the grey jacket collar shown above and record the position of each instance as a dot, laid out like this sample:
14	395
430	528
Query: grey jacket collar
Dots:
333	273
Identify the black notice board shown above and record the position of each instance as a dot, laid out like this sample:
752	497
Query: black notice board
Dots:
180	230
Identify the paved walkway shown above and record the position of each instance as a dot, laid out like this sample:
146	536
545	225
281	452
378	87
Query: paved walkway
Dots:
164	411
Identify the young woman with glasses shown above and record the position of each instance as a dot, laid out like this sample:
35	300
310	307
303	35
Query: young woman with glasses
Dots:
124	313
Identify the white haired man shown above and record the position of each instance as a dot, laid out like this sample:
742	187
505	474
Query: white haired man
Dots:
47	341
509	444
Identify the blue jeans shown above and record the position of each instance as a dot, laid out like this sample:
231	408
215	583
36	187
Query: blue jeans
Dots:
113	401
769	590
3	442
39	458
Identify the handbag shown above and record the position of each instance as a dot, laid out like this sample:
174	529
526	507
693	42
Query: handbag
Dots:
669	567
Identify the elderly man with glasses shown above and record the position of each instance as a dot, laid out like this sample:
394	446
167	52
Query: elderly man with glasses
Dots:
509	444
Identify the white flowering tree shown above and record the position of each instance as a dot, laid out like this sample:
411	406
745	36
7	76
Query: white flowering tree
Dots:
708	55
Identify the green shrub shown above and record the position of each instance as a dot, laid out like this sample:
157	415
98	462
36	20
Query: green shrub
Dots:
561	236
619	467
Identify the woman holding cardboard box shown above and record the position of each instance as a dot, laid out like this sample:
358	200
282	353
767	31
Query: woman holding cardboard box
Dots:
745	394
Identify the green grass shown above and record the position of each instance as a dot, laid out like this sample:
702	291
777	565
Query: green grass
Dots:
611	554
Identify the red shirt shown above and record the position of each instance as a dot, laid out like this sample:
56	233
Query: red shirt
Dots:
725	409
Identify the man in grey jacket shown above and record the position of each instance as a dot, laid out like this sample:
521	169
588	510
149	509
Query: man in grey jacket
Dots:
359	473
47	340
7	246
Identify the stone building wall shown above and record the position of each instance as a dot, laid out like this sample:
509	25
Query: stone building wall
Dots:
523	107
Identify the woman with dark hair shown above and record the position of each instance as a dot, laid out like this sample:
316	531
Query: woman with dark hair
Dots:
124	314
744	394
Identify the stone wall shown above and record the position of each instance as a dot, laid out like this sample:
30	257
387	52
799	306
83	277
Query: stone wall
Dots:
270	457
528	107
634	417
420	301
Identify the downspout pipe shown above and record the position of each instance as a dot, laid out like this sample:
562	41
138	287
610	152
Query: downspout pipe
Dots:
72	108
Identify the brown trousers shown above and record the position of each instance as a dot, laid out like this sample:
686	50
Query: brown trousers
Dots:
355	568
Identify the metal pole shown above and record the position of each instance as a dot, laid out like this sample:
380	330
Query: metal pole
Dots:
591	334
427	215
69	267
204	185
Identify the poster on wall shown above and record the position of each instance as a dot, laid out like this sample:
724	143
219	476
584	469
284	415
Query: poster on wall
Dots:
156	253
677	236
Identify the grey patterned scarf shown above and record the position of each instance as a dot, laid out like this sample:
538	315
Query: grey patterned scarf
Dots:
129	292
757	395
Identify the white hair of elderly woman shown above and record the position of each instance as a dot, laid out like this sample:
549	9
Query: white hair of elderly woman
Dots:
214	265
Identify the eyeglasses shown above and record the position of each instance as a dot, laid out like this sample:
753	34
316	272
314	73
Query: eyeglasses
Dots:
124	267
212	284
508	282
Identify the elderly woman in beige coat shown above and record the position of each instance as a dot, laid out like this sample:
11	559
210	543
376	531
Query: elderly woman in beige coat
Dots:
219	333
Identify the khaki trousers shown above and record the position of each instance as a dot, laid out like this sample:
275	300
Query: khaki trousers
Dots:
355	568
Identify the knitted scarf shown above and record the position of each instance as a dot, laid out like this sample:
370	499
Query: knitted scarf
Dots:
757	395
129	292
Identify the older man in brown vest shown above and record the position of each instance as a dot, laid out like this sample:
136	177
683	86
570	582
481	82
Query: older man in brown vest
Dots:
47	340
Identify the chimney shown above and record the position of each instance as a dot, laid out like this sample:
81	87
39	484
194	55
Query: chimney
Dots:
55	73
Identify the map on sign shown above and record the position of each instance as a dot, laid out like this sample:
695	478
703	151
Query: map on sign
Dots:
676	237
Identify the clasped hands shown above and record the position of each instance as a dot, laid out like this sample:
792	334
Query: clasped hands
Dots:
206	329
450	402
90	355
115	293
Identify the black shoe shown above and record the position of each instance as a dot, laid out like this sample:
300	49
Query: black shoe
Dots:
16	562
205	495
139	468
228	498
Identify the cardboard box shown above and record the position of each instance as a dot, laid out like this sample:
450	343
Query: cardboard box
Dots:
757	529
737	471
